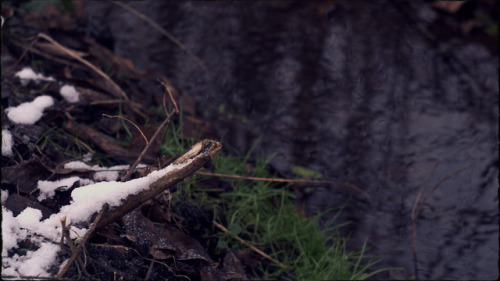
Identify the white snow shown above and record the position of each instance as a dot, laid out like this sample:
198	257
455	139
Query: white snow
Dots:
102	174
27	74
29	112
87	157
7	143
106	176
69	93
5	195
86	201
29	218
9	232
48	188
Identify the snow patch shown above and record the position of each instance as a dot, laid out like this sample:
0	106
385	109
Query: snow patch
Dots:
7	143
27	74
87	200
48	188
29	112
5	195
70	94
102	174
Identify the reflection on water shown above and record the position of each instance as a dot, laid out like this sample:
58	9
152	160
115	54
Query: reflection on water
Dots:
357	92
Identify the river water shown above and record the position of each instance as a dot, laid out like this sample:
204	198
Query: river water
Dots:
360	92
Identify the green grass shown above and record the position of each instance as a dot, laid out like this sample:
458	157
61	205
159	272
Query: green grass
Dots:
264	214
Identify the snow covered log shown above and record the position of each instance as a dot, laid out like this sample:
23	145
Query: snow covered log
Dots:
193	160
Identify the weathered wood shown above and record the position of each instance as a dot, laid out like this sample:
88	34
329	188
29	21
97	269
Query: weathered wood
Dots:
199	155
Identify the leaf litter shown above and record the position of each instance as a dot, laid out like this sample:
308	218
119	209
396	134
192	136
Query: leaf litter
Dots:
54	95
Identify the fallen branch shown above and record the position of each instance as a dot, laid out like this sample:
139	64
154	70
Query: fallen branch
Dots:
74	55
157	132
349	188
193	160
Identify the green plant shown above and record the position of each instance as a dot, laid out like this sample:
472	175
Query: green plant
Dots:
263	214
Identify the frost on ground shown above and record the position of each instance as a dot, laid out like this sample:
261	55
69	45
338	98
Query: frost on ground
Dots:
86	201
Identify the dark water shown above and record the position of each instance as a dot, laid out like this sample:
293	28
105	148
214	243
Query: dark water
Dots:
356	91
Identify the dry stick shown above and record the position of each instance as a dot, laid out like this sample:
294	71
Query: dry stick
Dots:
30	46
157	132
162	31
83	242
193	160
437	185
137	127
249	245
418	206
417	200
33	49
80	59
355	188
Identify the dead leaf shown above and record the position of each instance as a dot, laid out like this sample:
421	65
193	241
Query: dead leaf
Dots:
171	243
185	247
468	26
26	175
17	204
232	267
448	6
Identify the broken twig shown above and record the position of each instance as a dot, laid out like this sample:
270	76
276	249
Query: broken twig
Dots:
249	245
77	251
199	155
74	55
157	132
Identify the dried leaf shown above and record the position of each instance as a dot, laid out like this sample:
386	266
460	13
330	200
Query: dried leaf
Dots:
26	175
171	243
17	204
448	6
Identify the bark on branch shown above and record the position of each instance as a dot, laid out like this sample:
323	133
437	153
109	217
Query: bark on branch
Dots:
199	155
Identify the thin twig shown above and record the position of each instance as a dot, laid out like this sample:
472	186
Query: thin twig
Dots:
417	206
137	127
83	242
162	31
249	245
350	186
87	63
150	269
437	185
157	132
30	46
413	215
